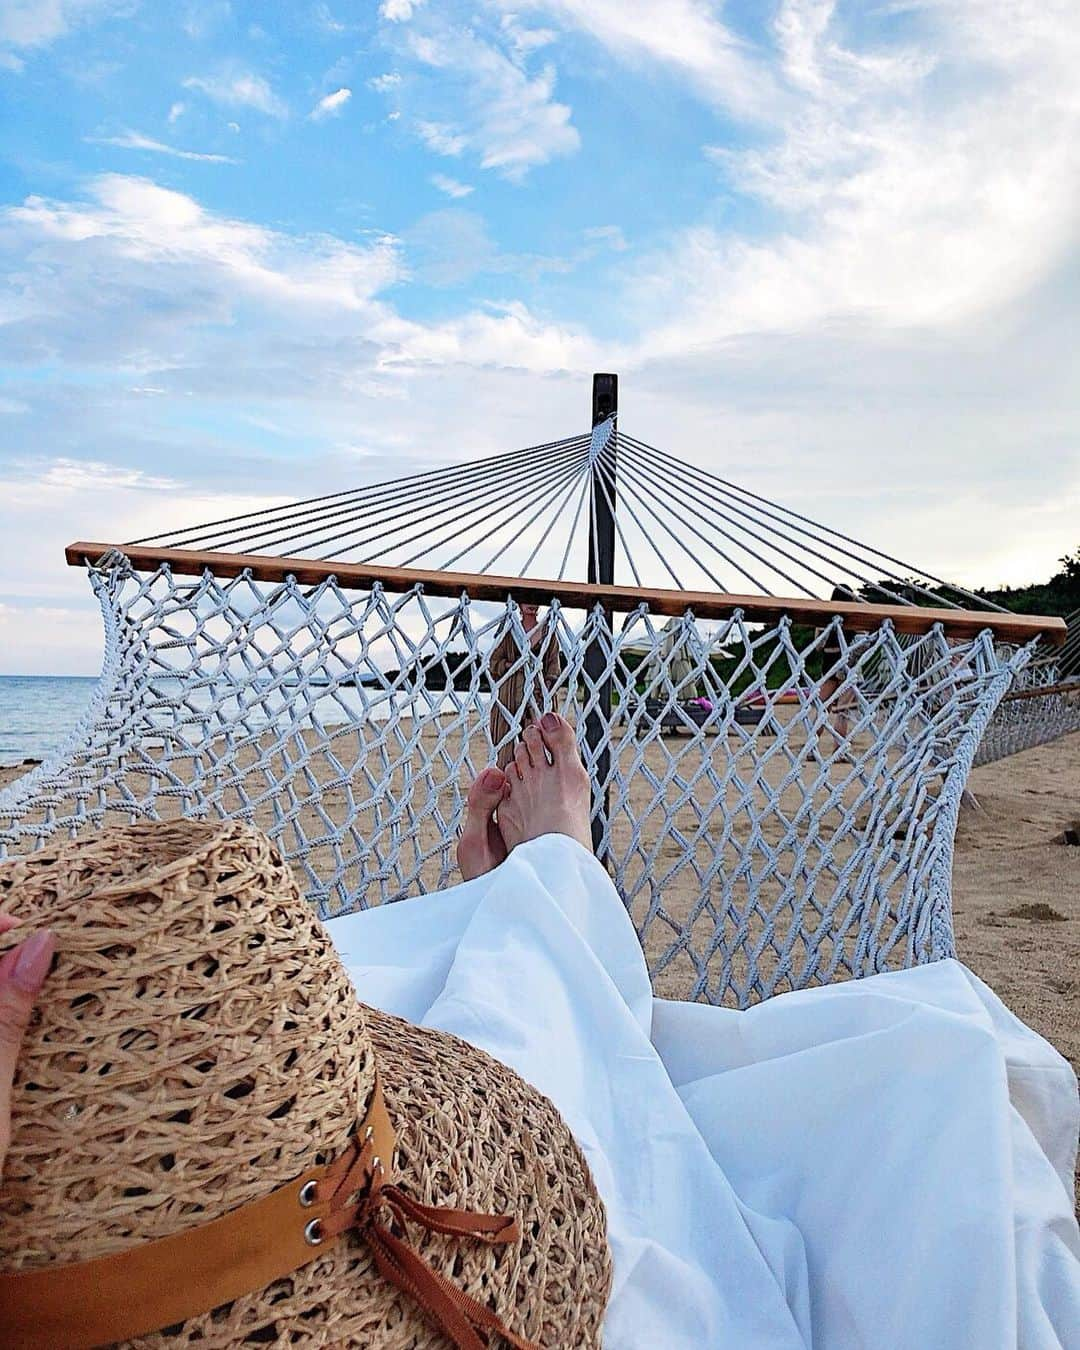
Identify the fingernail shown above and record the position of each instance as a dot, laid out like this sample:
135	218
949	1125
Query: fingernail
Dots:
490	779
33	961
549	722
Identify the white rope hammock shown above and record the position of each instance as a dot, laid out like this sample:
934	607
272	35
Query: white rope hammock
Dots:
776	780
1043	704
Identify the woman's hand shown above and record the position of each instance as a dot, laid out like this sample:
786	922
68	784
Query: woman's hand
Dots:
22	973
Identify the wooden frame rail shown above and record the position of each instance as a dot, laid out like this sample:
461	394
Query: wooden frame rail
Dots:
1043	691
857	617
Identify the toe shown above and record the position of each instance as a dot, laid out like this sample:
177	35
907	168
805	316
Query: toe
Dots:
480	847
522	758
535	745
486	793
558	735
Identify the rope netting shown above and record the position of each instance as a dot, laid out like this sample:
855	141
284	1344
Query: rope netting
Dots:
776	804
1043	703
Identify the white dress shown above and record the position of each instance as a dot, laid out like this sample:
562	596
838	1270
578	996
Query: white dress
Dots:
884	1163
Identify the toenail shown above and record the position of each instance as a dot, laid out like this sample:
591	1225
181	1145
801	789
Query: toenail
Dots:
549	722
490	779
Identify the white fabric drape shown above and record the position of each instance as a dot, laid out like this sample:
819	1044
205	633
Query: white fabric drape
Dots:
883	1163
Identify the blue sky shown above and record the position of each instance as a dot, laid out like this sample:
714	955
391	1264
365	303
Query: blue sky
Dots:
257	251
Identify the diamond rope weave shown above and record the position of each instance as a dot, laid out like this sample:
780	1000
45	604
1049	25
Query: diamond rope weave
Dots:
778	815
1042	705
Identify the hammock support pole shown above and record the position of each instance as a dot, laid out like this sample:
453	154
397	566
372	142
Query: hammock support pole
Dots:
605	404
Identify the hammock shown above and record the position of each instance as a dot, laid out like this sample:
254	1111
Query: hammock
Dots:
322	669
1042	705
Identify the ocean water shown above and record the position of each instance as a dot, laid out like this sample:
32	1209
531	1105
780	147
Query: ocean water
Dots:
39	712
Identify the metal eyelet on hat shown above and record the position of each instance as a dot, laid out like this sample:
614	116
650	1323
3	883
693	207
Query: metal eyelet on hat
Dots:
309	1193
313	1233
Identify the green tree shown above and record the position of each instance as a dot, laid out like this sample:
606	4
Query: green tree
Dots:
1060	595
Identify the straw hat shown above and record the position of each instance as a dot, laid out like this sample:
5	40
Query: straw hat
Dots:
200	1054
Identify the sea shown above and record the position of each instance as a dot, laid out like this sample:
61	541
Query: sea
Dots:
39	712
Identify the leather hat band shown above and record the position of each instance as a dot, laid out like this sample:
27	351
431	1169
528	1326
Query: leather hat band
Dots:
158	1284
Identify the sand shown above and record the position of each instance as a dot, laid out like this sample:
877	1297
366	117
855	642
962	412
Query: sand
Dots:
1016	888
1016	894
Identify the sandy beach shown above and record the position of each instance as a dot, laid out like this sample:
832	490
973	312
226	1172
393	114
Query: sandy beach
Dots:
1016	888
1016	893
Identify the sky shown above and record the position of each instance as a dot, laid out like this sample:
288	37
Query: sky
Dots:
254	252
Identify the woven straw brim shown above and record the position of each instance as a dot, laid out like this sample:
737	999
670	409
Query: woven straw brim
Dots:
165	1084
472	1134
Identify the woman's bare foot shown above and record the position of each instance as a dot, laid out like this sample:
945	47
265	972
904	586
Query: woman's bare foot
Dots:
549	792
481	846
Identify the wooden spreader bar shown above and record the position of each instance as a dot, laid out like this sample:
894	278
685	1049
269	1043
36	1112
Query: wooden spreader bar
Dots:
1042	691
857	617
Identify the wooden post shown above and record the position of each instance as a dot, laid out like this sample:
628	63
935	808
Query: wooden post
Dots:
605	404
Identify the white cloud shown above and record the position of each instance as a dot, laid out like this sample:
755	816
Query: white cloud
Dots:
331	104
383	84
684	36
503	335
79	475
916	188
524	40
451	186
176	112
140	279
904	306
399	11
239	89
186	345
502	113
49	620
144	238
37	23
325	20
52	639
135	140
442	139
